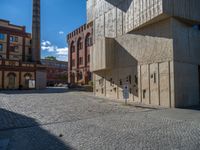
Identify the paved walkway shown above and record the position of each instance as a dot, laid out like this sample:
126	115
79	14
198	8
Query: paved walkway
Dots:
58	119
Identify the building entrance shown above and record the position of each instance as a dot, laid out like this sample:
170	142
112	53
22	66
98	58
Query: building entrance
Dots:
11	81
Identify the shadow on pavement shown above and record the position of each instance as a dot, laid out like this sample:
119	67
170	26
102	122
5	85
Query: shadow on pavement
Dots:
50	90
23	133
192	107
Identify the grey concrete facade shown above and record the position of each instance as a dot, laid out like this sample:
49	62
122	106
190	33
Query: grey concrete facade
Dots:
151	45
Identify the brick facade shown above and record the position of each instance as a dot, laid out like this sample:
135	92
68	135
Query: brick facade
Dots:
56	71
16	65
80	42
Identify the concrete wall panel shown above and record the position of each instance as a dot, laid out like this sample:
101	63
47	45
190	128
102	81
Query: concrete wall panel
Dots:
164	84
186	84
145	84
154	84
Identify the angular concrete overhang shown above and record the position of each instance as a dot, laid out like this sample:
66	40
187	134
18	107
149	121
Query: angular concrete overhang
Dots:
102	54
139	13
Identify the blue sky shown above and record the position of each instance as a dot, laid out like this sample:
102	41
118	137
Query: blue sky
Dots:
58	17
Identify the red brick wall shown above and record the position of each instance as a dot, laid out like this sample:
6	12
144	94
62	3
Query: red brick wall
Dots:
79	70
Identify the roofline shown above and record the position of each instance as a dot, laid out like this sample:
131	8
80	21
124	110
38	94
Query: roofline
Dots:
7	21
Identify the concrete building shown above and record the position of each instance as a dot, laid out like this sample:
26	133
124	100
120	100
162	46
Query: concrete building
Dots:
16	66
80	42
56	71
152	45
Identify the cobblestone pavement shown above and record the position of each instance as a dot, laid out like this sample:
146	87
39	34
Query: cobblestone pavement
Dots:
58	119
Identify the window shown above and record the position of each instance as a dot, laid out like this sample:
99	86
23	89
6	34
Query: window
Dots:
80	60
88	58
73	63
136	80
14	48
144	94
80	44
153	76
2	36
80	75
1	47
89	40
73	49
130	79
120	81
111	80
13	39
29	51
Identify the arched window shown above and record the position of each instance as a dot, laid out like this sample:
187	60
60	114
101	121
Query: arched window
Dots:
72	47
80	75
80	44
72	77
88	43
88	40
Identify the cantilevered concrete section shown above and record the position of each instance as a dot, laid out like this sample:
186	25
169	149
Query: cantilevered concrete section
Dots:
150	44
36	31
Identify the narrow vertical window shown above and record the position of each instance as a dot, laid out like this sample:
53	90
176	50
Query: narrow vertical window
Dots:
1	47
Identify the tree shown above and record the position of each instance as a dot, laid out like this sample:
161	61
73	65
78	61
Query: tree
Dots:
50	58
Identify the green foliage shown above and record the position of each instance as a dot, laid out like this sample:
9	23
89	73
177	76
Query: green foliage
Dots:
50	58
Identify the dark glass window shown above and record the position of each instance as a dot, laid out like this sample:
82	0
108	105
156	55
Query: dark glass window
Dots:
89	41
80	60
88	59
73	48
30	51
13	39
73	63
80	44
2	36
1	47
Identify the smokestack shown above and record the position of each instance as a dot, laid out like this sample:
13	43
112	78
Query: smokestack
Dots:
36	52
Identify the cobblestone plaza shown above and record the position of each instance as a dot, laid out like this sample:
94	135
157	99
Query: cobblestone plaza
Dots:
60	119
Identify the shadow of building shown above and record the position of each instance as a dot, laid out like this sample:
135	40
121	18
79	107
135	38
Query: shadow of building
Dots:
25	133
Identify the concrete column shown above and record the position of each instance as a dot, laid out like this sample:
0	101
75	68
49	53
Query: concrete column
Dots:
36	32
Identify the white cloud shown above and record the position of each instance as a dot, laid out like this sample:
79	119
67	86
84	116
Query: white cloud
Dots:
62	58
59	53
49	48
46	43
61	32
62	51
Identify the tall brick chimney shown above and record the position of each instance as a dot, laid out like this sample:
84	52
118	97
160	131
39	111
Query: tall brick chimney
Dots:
36	52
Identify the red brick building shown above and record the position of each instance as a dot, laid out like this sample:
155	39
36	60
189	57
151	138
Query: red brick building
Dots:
56	71
80	42
17	68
